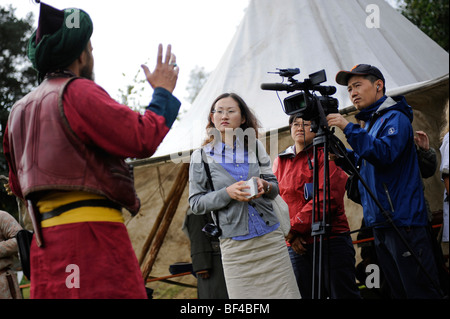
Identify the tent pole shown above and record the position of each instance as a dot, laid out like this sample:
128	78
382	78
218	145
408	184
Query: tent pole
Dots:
149	240
173	200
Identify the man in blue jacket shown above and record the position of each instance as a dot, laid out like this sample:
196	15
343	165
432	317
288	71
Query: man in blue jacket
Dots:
383	147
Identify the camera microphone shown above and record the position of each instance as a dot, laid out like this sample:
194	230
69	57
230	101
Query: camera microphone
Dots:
325	90
275	86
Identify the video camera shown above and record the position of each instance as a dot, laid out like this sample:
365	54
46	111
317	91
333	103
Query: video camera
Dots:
306	104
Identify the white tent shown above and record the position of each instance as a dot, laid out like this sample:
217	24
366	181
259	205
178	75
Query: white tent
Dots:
311	35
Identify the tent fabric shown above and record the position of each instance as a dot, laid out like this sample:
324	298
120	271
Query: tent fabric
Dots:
311	35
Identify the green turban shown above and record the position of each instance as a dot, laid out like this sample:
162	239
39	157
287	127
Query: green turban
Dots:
60	38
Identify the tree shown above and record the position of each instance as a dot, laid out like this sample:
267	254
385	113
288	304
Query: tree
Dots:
197	78
17	78
430	16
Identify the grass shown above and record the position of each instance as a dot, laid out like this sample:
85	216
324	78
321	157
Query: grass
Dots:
161	290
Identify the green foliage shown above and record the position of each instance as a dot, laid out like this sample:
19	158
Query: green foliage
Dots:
17	78
430	16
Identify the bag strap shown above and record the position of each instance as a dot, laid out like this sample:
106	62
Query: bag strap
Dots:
208	174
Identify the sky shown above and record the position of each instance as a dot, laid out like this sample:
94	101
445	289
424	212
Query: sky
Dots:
127	33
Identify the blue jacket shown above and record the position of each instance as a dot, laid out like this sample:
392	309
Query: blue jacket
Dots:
388	163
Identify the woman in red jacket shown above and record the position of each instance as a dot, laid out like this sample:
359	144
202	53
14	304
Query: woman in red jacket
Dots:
293	171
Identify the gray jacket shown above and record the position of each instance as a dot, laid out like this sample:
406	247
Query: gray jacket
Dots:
233	214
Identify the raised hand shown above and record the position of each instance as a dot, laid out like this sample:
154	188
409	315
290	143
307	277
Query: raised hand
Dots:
165	74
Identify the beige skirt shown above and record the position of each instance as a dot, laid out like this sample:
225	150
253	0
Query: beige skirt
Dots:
259	268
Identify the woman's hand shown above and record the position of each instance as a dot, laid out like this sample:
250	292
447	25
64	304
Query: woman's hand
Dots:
263	187
237	191
298	245
297	242
422	140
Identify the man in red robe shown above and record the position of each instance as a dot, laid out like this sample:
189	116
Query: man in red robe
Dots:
65	144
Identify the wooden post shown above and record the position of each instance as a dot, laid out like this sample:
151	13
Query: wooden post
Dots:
149	240
172	201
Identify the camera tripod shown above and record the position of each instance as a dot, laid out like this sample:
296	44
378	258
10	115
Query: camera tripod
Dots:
321	223
309	106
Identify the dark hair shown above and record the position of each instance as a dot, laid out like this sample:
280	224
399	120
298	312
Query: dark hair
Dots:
293	117
373	78
246	112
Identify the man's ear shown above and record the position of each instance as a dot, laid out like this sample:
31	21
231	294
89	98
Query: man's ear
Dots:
380	85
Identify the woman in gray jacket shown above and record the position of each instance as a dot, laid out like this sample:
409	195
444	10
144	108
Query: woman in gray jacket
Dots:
254	254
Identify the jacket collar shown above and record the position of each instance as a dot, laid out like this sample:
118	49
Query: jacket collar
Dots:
367	113
291	152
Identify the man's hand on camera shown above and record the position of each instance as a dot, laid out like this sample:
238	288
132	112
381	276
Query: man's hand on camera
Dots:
165	74
336	119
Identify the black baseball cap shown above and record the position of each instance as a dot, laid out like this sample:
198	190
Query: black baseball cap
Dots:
342	77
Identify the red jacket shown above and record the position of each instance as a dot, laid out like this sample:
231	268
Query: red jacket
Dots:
292	171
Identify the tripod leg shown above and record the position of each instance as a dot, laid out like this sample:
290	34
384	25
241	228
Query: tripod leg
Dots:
315	209
319	226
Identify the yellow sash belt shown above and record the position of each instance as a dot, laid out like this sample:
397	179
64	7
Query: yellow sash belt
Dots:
54	200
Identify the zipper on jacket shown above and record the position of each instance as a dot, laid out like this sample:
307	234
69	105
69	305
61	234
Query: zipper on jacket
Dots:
388	197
